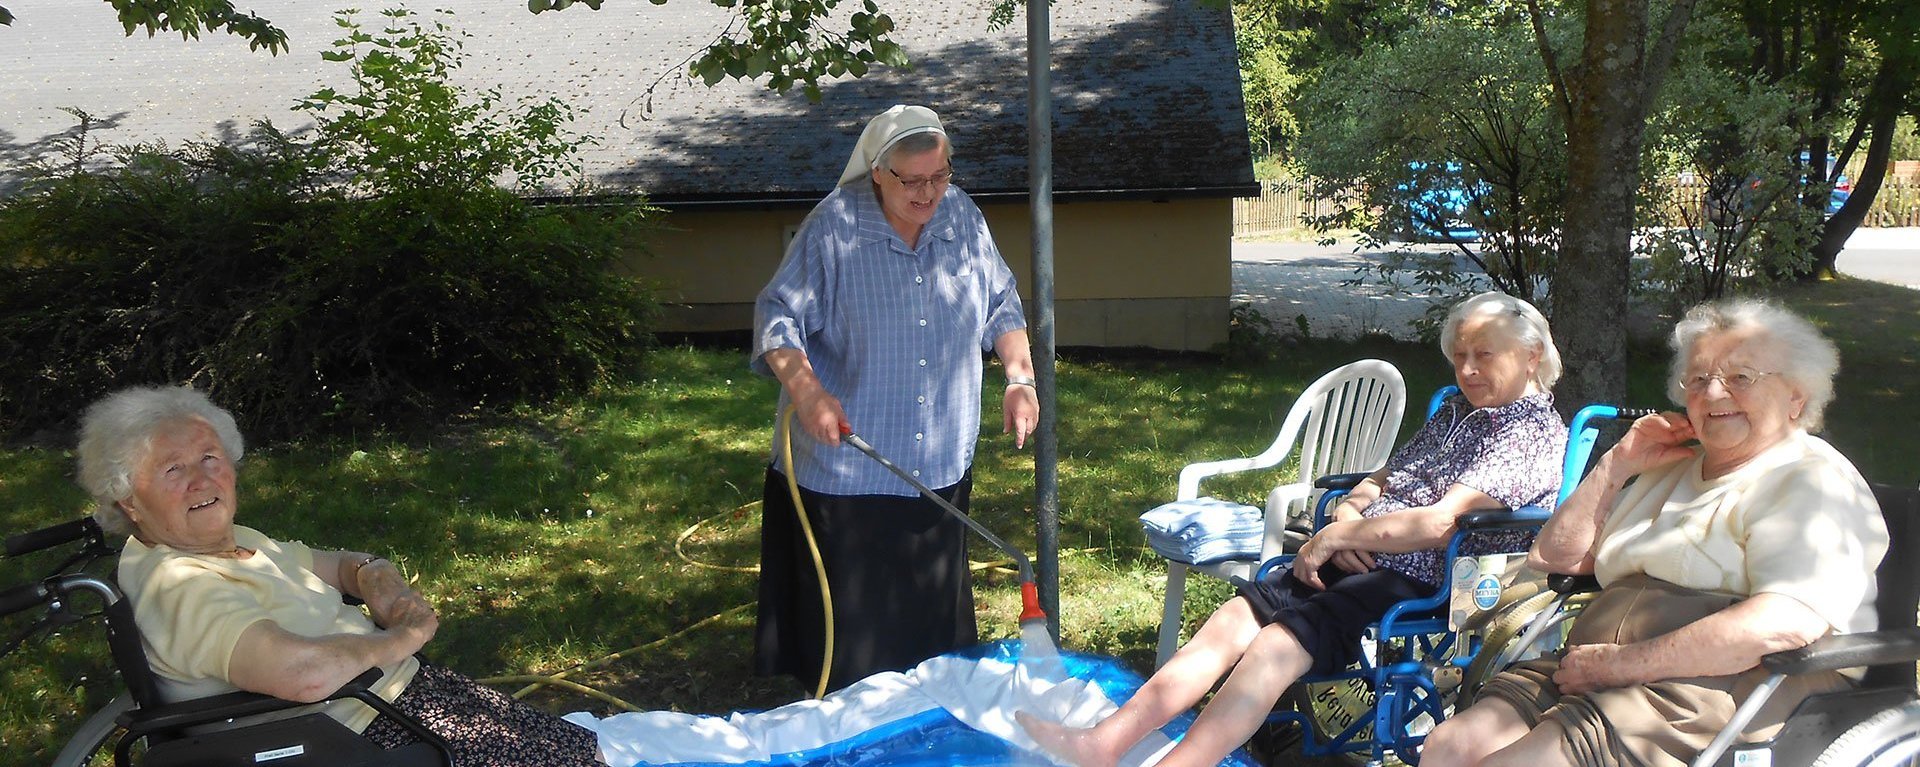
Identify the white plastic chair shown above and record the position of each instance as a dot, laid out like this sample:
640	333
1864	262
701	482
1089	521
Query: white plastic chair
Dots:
1345	422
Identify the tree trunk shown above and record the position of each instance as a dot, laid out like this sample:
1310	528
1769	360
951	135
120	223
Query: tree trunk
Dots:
1892	87
1604	133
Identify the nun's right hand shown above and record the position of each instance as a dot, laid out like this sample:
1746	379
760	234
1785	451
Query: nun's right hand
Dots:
820	417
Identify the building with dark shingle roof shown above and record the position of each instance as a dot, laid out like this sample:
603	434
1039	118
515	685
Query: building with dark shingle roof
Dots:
1149	132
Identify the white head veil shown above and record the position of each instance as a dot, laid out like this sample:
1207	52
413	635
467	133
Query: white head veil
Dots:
882	132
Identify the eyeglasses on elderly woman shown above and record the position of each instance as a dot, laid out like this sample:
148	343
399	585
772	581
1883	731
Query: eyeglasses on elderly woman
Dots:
1738	379
940	179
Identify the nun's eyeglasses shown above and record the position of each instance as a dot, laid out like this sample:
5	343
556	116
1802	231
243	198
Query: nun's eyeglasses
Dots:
916	184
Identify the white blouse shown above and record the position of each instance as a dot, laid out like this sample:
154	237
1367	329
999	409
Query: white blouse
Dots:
1797	520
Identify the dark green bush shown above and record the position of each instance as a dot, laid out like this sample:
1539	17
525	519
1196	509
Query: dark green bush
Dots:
373	275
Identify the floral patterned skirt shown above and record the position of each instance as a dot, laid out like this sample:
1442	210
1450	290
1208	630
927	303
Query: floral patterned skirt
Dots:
484	727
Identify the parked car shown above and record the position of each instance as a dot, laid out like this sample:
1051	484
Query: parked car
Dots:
1842	186
1436	203
1747	197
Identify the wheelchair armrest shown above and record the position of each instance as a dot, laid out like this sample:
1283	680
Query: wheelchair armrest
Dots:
232	705
1284	560
1341	481
1481	520
1572	584
1847	651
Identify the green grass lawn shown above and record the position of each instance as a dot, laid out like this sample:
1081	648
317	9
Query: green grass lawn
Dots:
584	528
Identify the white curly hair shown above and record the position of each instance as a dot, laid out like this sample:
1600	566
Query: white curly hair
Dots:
1518	319
1808	361
117	431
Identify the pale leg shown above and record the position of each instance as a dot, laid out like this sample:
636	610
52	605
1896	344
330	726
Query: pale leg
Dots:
1188	675
1470	736
1270	666
1543	746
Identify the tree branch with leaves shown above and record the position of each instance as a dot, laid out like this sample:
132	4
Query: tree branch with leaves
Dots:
190	18
788	42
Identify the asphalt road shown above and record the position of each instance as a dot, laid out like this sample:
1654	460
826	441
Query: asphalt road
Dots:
1285	280
1886	255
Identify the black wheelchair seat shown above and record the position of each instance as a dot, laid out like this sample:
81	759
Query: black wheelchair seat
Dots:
310	739
173	734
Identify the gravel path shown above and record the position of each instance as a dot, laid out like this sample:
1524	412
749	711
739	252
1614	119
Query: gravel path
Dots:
1283	280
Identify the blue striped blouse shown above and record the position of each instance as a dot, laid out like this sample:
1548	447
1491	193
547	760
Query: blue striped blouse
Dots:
895	333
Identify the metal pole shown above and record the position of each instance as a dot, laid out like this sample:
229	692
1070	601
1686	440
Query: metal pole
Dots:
1046	447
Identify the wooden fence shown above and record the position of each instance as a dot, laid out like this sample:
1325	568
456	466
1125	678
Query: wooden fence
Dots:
1285	204
1282	205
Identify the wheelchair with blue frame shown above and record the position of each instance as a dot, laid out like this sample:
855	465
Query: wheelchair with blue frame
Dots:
1415	664
138	728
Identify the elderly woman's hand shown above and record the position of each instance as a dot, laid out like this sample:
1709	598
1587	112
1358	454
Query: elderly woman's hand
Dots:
1352	560
820	416
409	613
1589	667
1654	441
391	601
1315	553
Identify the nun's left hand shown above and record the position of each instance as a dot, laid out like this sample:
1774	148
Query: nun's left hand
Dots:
1021	413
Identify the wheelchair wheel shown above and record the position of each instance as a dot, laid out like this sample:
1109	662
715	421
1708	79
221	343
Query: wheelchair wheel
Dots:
1332	707
1887	739
92	744
1499	646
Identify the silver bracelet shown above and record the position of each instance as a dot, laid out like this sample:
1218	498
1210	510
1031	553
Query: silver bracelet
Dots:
1022	381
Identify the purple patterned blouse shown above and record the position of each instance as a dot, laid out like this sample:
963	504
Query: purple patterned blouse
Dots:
1512	453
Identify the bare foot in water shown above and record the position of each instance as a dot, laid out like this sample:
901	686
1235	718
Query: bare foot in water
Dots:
1073	745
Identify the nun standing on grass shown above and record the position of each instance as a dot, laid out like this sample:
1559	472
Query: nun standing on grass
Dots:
876	320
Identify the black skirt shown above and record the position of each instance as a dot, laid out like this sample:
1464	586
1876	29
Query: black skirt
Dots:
897	570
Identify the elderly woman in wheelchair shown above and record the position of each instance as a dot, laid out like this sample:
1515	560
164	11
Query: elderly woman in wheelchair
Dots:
1759	538
1497	444
222	607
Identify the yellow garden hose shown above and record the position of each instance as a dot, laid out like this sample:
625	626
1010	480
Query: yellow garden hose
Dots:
536	681
1018	560
819	566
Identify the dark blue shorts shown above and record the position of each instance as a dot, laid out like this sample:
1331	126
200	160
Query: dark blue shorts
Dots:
1329	623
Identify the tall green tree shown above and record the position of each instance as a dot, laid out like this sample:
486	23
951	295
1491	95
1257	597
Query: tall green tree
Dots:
1735	138
1284	45
1861	62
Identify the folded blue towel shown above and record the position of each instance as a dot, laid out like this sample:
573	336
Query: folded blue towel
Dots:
1204	530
